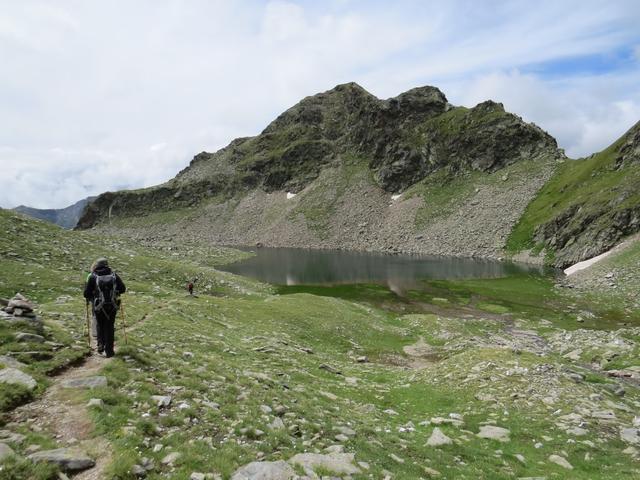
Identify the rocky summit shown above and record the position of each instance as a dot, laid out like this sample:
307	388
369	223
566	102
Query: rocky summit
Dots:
344	169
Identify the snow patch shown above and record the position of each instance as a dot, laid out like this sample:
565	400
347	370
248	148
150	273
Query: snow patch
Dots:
586	263
290	195
395	197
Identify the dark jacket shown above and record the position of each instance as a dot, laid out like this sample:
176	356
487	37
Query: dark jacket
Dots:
90	287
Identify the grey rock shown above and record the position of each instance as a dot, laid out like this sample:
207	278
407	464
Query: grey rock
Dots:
279	470
558	460
197	476
8	361
138	471
161	400
8	436
277	424
630	435
5	451
494	433
615	388
171	458
96	402
437	439
29	337
340	463
17	377
86	382
68	459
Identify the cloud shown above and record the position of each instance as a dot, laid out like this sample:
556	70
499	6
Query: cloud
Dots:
104	95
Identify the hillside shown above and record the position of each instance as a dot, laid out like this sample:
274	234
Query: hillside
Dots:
503	378
344	169
65	217
587	207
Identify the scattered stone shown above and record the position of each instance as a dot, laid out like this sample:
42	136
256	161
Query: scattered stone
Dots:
8	436
390	411
396	458
8	361
431	472
604	415
558	460
96	402
279	470
616	389
362	359
17	377
630	435
67	459
492	432
340	463
171	458
277	424
520	458
197	476
138	471
5	451
328	395
266	409
86	382
161	400
484	397
438	439
330	369
29	337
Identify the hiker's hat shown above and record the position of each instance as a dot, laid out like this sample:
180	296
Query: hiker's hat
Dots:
101	263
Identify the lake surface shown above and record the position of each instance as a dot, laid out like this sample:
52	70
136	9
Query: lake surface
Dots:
296	266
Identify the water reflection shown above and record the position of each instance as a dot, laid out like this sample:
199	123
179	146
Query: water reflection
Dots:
293	266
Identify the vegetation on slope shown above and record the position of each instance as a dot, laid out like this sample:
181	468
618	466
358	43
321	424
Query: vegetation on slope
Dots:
259	373
588	205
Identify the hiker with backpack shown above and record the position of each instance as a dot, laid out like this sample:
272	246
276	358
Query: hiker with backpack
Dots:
103	289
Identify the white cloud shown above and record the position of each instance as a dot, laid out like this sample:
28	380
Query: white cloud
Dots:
103	95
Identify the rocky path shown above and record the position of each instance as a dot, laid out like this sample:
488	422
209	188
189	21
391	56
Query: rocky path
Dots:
62	413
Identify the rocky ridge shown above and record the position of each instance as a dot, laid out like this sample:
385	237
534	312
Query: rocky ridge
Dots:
343	169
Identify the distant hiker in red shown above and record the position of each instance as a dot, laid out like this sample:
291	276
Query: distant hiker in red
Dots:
190	288
103	290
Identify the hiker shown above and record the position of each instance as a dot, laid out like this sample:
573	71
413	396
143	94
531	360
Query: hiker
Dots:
190	288
103	289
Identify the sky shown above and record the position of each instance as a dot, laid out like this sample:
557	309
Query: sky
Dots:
99	96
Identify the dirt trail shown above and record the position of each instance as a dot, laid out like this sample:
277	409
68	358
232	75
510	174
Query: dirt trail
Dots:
63	413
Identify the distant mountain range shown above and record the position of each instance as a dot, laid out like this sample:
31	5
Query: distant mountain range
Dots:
65	217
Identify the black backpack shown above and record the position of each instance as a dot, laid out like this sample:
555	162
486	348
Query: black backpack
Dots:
105	296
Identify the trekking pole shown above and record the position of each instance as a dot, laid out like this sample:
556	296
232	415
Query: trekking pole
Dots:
87	325
124	324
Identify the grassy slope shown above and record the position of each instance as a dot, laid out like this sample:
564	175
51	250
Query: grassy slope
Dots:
245	339
591	182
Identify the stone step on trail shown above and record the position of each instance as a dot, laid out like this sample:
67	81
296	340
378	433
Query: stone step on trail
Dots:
68	459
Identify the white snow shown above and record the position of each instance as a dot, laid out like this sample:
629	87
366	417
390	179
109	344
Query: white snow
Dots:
586	263
290	195
395	197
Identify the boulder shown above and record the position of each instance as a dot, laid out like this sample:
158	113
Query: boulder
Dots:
279	470
492	432
161	400
29	337
558	460
340	463
437	439
630	435
16	377
5	451
68	459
